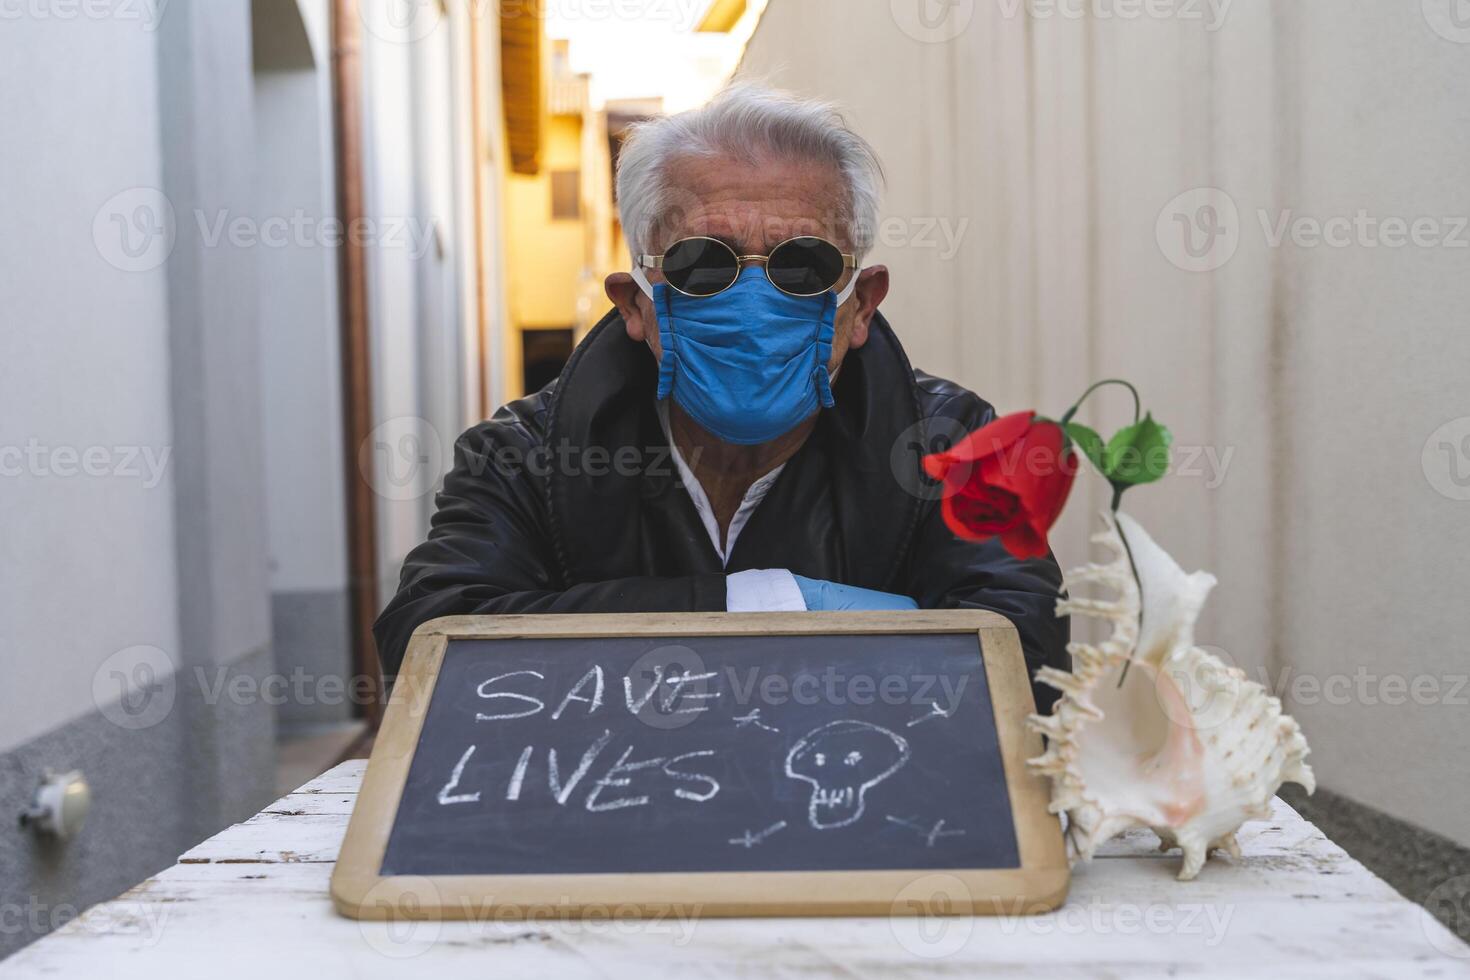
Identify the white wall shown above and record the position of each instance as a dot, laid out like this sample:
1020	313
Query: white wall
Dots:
87	561
1321	371
416	105
299	315
122	345
300	327
1378	346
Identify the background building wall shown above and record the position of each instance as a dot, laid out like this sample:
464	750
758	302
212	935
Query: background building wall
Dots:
135	589
102	338
300	369
416	105
558	261
1044	168
549	252
171	443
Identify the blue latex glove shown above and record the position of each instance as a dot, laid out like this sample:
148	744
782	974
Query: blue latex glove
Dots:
820	595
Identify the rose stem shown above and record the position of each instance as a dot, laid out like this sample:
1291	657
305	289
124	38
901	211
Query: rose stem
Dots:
1137	402
1118	498
1133	567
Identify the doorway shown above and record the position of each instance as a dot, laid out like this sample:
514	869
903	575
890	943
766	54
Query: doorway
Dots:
544	354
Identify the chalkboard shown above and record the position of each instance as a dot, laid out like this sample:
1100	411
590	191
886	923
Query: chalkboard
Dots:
685	752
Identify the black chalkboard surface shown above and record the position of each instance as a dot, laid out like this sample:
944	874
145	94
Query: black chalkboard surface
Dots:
657	756
645	754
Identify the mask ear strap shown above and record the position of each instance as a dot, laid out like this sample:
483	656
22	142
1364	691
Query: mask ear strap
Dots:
665	317
642	280
824	344
824	354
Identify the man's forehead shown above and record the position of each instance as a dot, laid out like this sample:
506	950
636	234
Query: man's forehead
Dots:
754	205
756	229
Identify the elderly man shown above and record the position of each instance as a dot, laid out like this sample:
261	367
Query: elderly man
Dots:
743	432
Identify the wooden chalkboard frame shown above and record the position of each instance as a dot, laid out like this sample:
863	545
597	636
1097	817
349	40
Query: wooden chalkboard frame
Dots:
1038	885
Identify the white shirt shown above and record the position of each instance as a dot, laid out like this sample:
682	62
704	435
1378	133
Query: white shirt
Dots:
755	590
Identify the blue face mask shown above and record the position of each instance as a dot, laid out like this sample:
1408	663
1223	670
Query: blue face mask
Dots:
748	364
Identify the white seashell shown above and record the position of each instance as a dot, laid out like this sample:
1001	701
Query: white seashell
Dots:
1187	746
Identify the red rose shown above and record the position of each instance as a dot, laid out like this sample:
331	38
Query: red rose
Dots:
1009	479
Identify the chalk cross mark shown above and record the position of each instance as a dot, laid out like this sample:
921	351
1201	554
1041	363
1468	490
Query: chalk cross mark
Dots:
754	718
930	835
935	711
752	838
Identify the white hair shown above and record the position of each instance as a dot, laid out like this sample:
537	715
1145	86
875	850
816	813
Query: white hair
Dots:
746	121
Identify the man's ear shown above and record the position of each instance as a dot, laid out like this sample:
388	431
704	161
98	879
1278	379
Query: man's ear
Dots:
872	289
631	302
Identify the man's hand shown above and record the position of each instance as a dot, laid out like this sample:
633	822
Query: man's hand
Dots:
820	595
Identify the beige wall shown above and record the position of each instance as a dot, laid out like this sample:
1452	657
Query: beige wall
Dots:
1314	374
547	254
555	266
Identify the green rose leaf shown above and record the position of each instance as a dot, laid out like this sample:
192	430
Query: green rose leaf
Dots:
1089	442
1138	454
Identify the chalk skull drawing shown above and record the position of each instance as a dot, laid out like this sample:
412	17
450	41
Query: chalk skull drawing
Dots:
843	760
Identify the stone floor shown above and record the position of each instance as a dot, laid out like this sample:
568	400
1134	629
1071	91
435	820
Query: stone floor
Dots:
305	752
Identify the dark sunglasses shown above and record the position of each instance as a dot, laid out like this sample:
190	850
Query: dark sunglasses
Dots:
804	266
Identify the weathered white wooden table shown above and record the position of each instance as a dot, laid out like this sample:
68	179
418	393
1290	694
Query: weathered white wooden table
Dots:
252	903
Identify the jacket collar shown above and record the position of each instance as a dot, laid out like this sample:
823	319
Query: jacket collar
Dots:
605	400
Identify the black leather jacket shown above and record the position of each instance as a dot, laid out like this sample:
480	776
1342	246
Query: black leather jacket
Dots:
567	501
